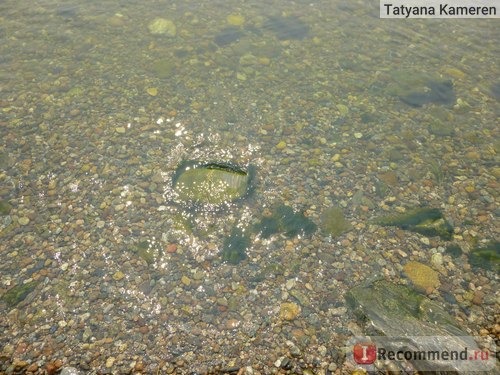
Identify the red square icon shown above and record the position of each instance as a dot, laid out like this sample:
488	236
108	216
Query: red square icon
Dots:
364	353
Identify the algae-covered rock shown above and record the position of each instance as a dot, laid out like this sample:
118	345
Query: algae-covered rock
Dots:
5	208
419	88
286	28
396	318
426	221
162	26
235	246
18	293
333	222
487	257
289	310
285	220
423	277
211	183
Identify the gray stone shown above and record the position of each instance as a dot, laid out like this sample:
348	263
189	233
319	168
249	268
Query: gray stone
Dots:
397	318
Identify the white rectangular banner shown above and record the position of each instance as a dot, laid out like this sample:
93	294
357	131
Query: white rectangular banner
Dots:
440	9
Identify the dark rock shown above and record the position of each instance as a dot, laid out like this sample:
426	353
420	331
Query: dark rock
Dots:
487	257
426	221
286	28
437	92
495	90
228	35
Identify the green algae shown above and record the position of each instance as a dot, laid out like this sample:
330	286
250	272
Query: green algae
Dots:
235	246
487	257
333	222
18	293
285	220
5	208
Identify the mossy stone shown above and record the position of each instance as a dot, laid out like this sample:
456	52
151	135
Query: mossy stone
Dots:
18	293
5	208
333	222
424	278
487	257
426	221
211	183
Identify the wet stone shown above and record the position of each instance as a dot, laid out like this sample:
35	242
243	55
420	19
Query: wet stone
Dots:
211	183
228	36
381	303
286	28
439	93
333	222
427	221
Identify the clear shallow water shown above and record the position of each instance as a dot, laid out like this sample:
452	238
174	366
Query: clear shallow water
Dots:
97	113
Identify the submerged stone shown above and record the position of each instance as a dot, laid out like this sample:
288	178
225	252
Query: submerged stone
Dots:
235	246
487	257
18	293
5	207
286	28
285	220
228	35
440	92
424	278
419	88
495	90
426	221
211	183
162	26
333	222
397	317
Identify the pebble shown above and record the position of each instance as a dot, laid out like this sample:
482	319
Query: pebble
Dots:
235	20
171	248
153	91
120	129
119	207
118	275
358	135
110	361
24	220
32	368
289	310
186	280
335	157
437	260
69	371
281	145
100	224
477	298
